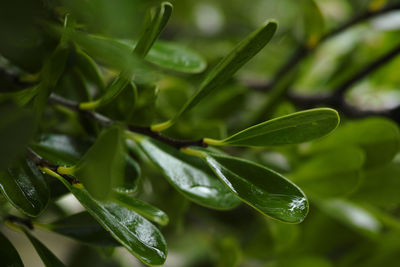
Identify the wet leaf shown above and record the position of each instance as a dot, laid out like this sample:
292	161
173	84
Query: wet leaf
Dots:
25	188
145	209
265	190
189	175
135	233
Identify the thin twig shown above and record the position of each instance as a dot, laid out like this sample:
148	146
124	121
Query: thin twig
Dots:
303	50
105	121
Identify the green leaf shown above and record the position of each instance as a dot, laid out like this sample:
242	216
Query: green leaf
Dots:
48	258
8	254
265	190
89	69
102	167
172	56
50	74
175	57
380	145
135	233
157	23
16	130
108	51
331	174
230	64
351	214
84	228
146	210
290	129
25	188
61	149
189	175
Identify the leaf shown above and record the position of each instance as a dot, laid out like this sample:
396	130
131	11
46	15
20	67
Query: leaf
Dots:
84	228
265	190
16	130
331	174
172	56
135	233
290	129
61	149
102	167
158	21
380	144
25	188
189	175
146	210
351	214
105	50
89	69
175	57
230	64
50	74
48	258
8	254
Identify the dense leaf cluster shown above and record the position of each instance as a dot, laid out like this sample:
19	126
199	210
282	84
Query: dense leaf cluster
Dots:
106	113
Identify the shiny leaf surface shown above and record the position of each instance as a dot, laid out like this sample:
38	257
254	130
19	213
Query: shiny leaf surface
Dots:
145	209
25	188
135	233
290	129
267	191
189	175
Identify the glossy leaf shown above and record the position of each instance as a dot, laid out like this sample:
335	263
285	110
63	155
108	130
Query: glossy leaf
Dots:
48	258
380	144
146	210
290	129
8	254
230	64
153	29
135	233
189	175
175	57
102	167
25	188
84	228
16	130
172	56
351	214
331	174
265	190
61	149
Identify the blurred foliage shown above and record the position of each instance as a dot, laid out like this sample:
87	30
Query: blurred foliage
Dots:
84	51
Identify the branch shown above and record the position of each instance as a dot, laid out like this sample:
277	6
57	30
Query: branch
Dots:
337	98
106	122
303	50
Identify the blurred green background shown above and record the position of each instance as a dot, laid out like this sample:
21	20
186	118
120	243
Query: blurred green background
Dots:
352	176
